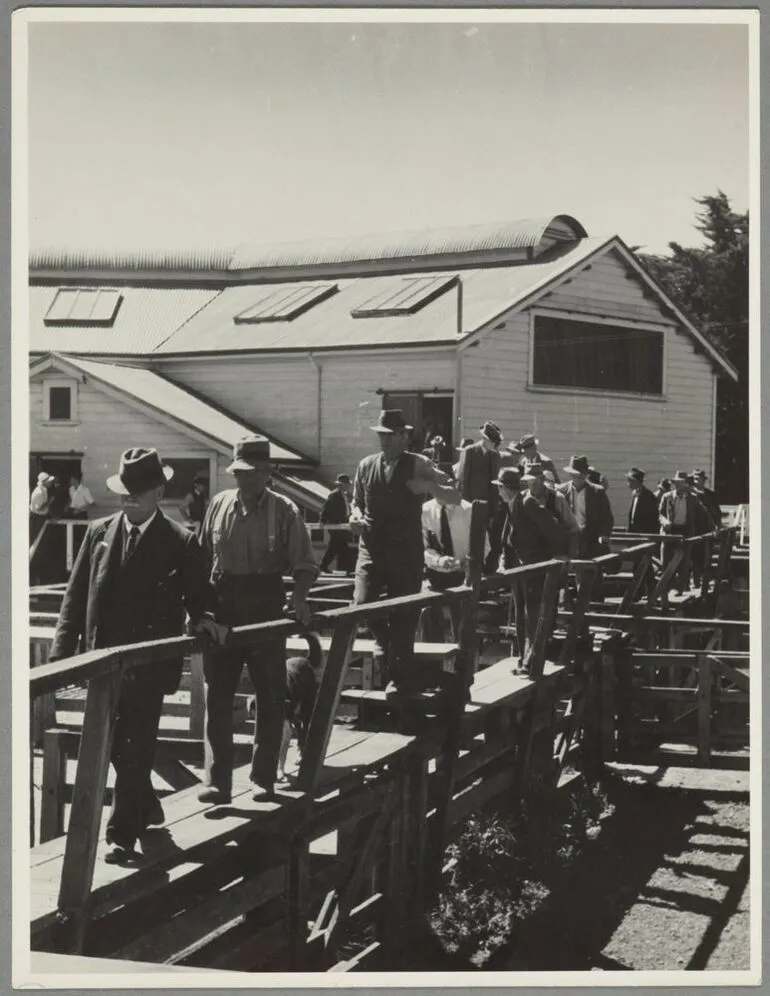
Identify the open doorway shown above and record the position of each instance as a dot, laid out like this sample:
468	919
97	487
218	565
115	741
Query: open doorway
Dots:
431	414
61	466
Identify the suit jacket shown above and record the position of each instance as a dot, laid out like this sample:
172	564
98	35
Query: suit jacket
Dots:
547	463
108	603
697	520
531	533
599	518
708	499
478	468
334	509
645	514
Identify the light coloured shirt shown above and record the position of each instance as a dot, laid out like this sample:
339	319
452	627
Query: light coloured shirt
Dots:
80	497
580	507
141	526
459	518
40	500
269	539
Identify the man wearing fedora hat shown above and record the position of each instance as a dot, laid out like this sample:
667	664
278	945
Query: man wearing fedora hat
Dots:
590	506
479	466
335	511
643	510
135	574
706	496
464	442
682	514
388	493
526	451
40	503
252	538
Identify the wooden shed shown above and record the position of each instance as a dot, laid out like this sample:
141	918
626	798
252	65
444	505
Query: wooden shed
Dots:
531	323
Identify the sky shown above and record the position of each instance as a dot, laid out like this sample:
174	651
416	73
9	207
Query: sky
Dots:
155	135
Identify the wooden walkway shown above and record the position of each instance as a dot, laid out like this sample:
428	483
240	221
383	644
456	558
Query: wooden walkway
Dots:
335	871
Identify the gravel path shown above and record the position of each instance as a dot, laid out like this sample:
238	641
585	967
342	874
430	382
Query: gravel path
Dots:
663	887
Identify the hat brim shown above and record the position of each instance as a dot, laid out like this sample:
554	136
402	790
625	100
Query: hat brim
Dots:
381	430
574	472
241	464
116	485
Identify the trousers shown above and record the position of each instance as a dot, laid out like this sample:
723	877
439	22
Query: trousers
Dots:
394	635
133	752
240	602
338	549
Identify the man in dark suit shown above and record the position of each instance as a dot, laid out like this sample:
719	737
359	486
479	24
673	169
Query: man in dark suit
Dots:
479	466
707	497
135	575
591	507
335	512
681	513
526	452
643	510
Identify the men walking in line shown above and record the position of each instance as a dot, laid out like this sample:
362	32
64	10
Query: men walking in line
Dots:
252	537
591	507
527	452
643	510
479	466
388	492
135	575
334	512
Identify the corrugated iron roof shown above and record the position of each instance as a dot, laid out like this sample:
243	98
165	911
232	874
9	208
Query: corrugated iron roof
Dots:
146	317
460	239
164	396
454	240
486	292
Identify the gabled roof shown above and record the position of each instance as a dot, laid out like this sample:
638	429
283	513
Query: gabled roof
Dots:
169	403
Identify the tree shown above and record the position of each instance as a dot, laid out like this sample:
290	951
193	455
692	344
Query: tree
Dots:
711	286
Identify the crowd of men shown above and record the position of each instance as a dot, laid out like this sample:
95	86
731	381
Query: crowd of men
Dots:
138	574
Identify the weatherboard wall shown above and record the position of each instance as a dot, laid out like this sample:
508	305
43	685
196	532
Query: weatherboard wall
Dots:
615	431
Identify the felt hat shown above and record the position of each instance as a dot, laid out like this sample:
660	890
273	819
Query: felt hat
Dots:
578	465
524	443
635	474
665	483
248	452
140	470
593	475
391	420
508	477
437	441
342	479
43	478
700	473
464	443
681	477
492	432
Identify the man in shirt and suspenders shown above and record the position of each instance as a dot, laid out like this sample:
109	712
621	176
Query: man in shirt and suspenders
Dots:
252	537
388	492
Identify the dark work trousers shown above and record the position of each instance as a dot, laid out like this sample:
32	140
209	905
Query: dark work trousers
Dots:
393	635
133	751
434	621
338	548
530	593
242	601
682	577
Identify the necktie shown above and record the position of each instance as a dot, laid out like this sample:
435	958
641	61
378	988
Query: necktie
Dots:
133	539
446	534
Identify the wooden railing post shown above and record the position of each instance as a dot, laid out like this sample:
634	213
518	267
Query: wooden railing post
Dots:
326	704
87	804
585	576
705	682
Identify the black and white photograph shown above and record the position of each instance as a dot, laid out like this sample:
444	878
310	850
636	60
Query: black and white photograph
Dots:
386	430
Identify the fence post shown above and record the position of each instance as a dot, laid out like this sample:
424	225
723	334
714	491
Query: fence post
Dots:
607	706
87	802
197	696
705	681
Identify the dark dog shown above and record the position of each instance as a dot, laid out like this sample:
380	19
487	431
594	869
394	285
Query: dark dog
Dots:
302	675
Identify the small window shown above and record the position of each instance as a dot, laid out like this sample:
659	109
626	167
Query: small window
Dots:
404	296
593	356
282	304
95	306
60	404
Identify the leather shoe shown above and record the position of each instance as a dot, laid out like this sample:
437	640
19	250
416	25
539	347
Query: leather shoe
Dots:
117	854
214	795
262	792
155	816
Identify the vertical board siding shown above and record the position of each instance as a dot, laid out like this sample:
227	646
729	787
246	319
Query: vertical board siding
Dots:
105	427
660	436
278	395
351	403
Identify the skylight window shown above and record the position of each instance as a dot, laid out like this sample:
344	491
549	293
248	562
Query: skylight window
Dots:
95	306
282	303
404	296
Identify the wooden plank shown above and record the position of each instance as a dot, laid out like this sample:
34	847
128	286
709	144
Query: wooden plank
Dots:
586	576
197	696
88	793
326	704
298	902
52	796
705	681
196	927
665	579
738	676
643	567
